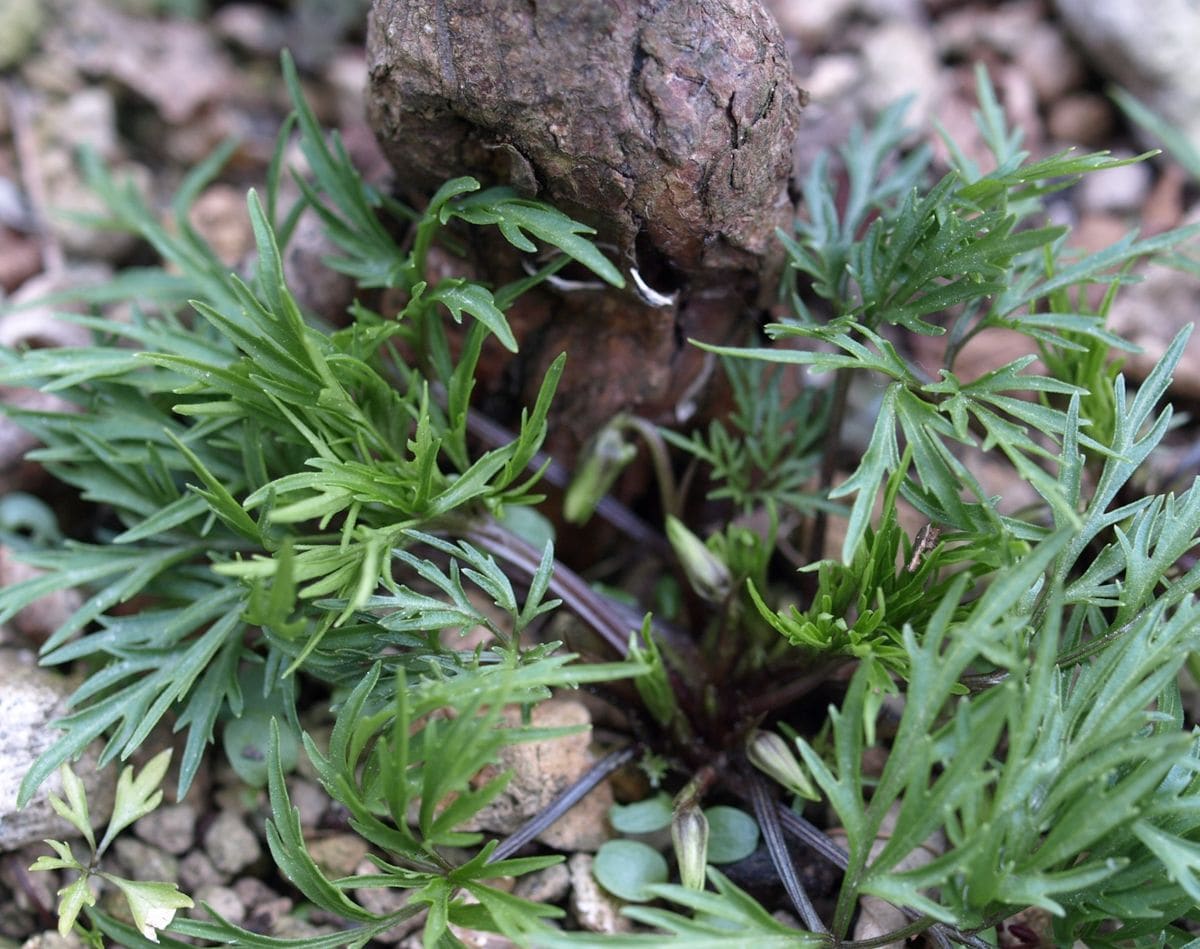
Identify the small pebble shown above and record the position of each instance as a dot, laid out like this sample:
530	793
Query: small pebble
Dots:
231	844
269	916
337	854
220	217
1052	66
52	940
594	908
196	870
252	891
171	827
814	23
1081	118
144	862
380	899
544	886
224	901
900	60
832	77
1115	190
291	927
309	799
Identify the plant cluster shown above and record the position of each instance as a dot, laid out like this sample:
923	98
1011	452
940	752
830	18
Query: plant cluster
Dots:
297	504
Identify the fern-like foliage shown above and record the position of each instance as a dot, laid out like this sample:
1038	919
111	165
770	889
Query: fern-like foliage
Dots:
290	502
253	463
969	244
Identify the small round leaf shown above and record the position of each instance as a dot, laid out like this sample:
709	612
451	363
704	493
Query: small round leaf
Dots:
626	867
245	742
732	834
644	817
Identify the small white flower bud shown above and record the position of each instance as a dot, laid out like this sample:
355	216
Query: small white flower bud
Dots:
706	572
769	753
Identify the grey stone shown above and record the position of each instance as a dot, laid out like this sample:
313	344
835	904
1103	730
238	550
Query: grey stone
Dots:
144	862
1124	188
30	700
544	886
223	900
900	59
171	827
309	799
1154	56
196	870
230	844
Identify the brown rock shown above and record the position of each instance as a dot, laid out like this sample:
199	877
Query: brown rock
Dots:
667	126
1149	314
317	287
1049	61
1082	118
541	772
338	854
219	216
20	258
39	620
174	63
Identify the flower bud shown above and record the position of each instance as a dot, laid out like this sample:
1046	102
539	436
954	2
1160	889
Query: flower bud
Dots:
706	572
604	459
689	834
769	753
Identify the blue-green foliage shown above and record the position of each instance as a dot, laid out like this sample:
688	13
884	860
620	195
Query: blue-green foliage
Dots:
254	462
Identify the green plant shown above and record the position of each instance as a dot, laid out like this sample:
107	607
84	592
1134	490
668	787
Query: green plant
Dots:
151	905
305	503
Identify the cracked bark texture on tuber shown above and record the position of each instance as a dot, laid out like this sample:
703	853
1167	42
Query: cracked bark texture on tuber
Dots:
666	125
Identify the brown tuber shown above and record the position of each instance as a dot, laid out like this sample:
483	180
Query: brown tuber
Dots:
668	126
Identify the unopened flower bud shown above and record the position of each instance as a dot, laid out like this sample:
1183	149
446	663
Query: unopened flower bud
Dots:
603	460
706	572
689	834
769	753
